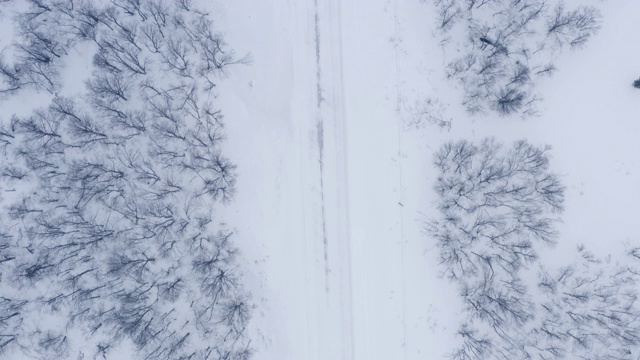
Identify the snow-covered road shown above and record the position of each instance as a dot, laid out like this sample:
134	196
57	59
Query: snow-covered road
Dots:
323	168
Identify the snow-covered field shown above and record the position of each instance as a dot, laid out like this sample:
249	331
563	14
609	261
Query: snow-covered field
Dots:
332	128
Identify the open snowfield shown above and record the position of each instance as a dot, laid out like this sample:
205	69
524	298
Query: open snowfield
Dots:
333	128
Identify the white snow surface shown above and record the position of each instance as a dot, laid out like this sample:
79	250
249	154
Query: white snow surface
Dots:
335	184
333	193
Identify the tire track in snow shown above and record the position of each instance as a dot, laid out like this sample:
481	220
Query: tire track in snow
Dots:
401	183
331	133
343	239
320	139
317	43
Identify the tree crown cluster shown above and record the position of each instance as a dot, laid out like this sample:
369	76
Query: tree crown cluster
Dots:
498	209
502	47
108	226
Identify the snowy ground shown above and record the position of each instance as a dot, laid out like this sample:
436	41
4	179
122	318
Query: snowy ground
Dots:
335	176
335	182
333	188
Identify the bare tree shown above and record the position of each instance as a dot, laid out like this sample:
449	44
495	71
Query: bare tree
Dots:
448	12
11	317
509	100
10	81
573	27
52	345
474	346
39	48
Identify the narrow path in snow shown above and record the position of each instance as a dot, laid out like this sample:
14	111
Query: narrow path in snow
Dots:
332	147
397	41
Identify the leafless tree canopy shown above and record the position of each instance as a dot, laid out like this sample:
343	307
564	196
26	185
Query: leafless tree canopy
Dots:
507	46
497	204
106	222
498	207
590	309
